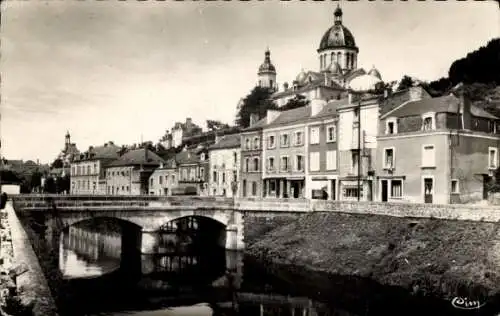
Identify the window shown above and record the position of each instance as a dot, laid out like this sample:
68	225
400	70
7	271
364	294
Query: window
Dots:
160	180
202	173
314	137
299	163
247	143
285	142
256	143
492	158
428	156
270	142
223	177
244	188
331	134
192	174
331	160
428	122
396	188
254	188
173	178
284	163
214	176
235	176
235	158
272	187
270	164
184	174
247	164
256	164
454	186
88	169
391	127
151	181
351	192
389	158
314	161
298	138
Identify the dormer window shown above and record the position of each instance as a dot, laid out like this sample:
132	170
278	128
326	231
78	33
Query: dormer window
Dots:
391	126
202	156
247	143
428	122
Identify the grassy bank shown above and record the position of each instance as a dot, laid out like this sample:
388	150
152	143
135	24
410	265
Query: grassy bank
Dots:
425	256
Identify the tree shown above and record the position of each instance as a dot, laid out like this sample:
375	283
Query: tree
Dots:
405	83
297	102
35	180
58	163
213	125
50	185
256	102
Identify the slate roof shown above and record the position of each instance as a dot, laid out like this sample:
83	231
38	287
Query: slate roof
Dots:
189	156
137	157
227	141
258	125
108	151
443	104
291	116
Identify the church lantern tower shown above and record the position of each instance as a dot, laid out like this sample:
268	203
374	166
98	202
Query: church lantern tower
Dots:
338	46
267	72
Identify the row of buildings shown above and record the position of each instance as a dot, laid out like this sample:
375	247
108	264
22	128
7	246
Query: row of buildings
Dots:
343	145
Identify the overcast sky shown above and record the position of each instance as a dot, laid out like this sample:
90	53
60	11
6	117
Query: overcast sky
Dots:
113	70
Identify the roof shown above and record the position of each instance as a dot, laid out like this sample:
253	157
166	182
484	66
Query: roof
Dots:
135	157
291	116
337	35
107	151
227	141
330	109
307	87
443	104
258	125
188	156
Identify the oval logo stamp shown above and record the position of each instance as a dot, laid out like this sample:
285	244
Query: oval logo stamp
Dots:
466	303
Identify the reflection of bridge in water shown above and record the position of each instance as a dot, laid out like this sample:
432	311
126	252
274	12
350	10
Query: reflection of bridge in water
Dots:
93	248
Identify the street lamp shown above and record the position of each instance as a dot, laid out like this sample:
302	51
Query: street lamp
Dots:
360	85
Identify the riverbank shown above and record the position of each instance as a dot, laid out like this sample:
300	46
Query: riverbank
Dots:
12	300
426	257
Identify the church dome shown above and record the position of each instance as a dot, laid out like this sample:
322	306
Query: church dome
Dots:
375	73
335	68
301	76
337	36
267	66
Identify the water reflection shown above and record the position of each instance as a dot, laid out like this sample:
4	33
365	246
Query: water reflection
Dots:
85	252
194	280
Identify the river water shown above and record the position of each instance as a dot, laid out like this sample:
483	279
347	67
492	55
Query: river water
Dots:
215	282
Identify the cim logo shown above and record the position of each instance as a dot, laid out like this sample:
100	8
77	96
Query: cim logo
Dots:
465	303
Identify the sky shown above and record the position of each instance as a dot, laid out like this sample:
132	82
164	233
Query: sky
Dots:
125	70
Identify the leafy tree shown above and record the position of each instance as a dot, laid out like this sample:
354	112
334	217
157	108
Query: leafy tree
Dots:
50	185
35	180
62	184
9	176
58	163
479	66
297	102
405	83
258	102
213	125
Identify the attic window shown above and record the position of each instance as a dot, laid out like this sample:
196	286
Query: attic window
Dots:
428	122
391	126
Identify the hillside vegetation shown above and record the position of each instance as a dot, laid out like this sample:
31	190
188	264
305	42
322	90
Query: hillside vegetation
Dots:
426	256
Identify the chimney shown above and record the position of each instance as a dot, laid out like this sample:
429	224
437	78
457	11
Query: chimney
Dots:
254	117
349	97
271	115
415	93
217	136
316	106
285	86
465	105
386	93
189	121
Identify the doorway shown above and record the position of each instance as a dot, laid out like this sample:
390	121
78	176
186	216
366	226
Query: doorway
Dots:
384	190
428	190
333	190
486	181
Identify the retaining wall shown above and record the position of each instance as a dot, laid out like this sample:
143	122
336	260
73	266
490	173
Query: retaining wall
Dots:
31	285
